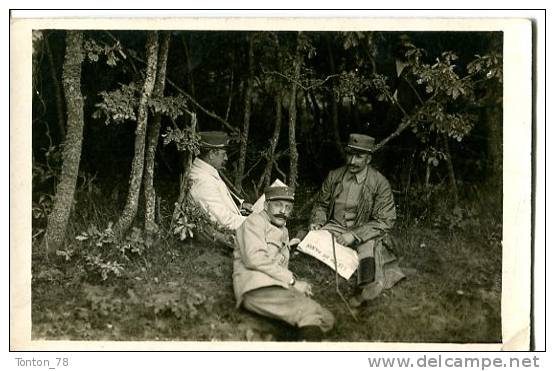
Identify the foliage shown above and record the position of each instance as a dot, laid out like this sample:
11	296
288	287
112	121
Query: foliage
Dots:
121	105
183	304
103	301
41	210
351	84
113	53
171	106
432	155
118	105
489	65
43	177
192	220
445	99
186	139
104	254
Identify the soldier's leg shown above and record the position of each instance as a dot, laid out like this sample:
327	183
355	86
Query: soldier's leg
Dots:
288	305
386	272
366	263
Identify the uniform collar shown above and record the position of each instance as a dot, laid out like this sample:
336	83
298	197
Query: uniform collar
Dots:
203	165
359	177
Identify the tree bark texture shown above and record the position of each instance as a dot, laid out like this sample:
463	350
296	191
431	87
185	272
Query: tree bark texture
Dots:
152	139
59	216
267	174
190	76
246	118
333	103
137	166
293	154
450	170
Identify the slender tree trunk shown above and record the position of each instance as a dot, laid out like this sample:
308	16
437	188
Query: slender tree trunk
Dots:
190	77
58	218
266	177
137	166
293	154
57	92
450	170
333	102
152	139
355	115
427	181
246	117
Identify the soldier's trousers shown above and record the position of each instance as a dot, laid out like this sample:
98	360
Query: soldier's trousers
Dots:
288	305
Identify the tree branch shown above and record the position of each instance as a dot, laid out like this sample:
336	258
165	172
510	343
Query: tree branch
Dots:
190	98
293	81
280	171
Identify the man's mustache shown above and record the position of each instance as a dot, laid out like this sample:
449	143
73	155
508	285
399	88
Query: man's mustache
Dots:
282	216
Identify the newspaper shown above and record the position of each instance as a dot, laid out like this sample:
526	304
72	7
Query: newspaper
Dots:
318	244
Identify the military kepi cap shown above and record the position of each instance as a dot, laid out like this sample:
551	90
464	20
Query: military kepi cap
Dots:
361	142
279	193
214	139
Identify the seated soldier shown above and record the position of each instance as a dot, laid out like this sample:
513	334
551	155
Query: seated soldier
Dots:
208	189
356	205
262	280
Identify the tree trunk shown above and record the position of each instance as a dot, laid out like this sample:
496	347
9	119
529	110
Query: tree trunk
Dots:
450	170
293	154
137	166
190	77
333	102
427	181
355	115
58	218
266	177
246	118
152	140
57	92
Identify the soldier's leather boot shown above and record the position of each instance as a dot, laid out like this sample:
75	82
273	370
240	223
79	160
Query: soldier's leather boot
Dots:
369	292
366	271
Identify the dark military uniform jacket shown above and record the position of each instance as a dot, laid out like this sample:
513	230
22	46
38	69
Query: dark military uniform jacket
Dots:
375	213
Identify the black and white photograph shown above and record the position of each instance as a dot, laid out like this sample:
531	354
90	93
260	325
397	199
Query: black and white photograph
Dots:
277	185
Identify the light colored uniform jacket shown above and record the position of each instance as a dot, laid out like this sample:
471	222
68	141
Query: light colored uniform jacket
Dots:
211	193
261	256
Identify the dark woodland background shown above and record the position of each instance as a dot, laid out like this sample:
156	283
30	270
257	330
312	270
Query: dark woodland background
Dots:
114	120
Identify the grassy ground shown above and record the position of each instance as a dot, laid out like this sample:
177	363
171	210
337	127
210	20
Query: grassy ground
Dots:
183	290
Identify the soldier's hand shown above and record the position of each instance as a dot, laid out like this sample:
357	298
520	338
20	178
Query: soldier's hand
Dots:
303	287
314	226
346	239
246	208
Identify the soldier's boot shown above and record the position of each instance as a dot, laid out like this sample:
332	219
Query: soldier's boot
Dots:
370	289
366	271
